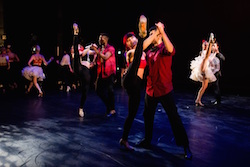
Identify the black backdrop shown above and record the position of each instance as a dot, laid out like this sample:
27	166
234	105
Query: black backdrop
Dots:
49	23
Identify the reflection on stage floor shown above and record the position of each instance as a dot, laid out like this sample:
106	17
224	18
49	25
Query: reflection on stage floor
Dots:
48	132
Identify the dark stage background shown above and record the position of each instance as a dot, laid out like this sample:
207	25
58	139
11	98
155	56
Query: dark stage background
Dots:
49	23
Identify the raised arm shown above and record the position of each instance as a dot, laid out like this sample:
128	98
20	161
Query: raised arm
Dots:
168	44
89	51
150	39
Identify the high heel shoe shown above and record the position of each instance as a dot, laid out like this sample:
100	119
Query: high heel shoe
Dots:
125	144
199	103
40	94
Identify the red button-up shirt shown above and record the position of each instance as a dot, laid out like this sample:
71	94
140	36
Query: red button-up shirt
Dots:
107	67
159	79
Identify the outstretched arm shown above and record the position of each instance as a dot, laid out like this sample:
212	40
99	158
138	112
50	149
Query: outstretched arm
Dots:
47	62
221	56
89	51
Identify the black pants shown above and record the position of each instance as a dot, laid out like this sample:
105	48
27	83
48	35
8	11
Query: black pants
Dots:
66	75
132	84
81	72
4	78
84	77
216	87
169	106
105	90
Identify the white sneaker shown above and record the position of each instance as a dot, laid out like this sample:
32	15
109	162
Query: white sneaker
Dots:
81	113
68	89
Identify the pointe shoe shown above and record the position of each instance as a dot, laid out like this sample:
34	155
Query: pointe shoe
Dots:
81	112
40	94
125	144
142	26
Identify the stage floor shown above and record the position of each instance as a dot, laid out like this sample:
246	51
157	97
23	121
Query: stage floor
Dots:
48	132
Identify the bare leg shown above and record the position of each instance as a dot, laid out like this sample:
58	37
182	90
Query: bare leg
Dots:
30	86
201	92
37	86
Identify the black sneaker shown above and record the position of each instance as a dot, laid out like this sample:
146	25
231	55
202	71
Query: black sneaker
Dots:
188	154
143	144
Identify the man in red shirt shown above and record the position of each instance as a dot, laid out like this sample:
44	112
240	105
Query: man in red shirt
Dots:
106	70
160	89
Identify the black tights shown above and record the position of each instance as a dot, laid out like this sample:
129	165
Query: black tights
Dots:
84	76
132	84
81	72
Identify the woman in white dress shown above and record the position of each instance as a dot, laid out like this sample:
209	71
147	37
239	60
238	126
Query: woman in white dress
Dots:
201	70
34	72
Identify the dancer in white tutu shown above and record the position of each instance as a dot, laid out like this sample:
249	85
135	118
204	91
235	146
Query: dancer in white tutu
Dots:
34	72
201	68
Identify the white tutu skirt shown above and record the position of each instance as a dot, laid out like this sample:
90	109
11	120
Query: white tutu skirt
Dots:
196	74
33	71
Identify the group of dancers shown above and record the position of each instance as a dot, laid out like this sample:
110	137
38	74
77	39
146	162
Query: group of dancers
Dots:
154	50
159	87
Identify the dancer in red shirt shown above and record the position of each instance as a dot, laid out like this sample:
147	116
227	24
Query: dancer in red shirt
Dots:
159	89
